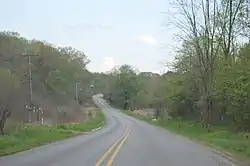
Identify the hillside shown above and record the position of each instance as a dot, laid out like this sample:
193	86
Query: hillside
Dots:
55	72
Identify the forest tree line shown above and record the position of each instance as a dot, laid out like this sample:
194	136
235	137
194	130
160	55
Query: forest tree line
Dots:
210	77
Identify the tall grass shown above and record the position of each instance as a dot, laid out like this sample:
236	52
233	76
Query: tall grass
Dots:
221	138
31	136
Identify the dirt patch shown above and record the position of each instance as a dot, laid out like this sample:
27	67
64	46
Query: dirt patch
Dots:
77	114
144	112
70	113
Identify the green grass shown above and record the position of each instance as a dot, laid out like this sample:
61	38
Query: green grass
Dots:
32	136
220	138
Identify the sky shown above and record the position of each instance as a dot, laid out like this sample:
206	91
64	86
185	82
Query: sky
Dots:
109	32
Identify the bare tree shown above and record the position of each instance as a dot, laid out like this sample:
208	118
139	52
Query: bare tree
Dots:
198	20
8	89
230	26
244	19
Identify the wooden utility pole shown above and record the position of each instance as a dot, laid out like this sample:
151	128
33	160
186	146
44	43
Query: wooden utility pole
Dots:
30	107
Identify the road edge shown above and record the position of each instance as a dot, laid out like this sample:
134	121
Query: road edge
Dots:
222	153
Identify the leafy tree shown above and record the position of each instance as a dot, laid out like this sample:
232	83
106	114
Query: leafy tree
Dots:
125	87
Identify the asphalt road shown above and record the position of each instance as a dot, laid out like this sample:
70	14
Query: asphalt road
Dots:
124	141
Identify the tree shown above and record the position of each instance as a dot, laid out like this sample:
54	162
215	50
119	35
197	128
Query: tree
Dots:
208	27
9	86
202	39
228	26
125	88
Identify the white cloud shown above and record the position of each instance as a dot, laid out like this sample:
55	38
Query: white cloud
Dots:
108	63
149	40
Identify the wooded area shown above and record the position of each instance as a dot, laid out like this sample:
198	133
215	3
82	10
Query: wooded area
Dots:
209	82
55	72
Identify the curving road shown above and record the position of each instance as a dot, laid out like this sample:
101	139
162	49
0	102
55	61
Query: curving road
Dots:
124	141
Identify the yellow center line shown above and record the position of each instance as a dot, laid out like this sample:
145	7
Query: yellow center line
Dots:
100	161
111	159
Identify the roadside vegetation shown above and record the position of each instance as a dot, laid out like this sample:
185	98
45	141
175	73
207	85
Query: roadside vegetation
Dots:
30	136
206	93
222	138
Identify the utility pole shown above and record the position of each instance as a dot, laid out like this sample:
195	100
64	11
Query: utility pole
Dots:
30	79
30	107
77	100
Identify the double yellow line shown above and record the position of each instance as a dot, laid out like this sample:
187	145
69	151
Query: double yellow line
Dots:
117	144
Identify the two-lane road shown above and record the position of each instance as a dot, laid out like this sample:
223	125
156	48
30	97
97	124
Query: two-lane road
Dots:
124	141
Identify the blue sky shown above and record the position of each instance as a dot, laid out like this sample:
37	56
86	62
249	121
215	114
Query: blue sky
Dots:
109	32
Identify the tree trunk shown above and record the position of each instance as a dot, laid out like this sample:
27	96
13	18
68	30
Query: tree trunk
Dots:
209	109
4	114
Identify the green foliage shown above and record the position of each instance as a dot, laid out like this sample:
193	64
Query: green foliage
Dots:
125	87
55	71
9	83
233	89
230	93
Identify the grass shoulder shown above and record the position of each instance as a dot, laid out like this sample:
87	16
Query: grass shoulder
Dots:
30	136
220	138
